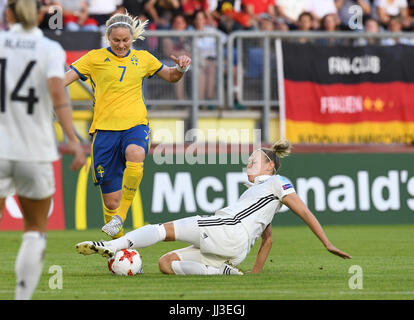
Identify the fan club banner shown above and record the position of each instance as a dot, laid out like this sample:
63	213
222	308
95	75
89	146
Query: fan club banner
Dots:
12	218
349	94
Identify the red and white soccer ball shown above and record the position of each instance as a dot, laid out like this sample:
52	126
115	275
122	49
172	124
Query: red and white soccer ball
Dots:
126	262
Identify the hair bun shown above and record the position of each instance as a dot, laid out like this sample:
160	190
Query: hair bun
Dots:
282	148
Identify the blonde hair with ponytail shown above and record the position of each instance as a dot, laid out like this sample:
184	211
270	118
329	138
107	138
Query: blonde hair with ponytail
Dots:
25	12
119	20
280	149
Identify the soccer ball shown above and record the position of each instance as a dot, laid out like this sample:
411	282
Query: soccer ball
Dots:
126	262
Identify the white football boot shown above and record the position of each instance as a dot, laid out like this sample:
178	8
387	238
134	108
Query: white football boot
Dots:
228	269
91	247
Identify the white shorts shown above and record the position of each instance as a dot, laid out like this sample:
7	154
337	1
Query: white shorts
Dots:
210	245
32	180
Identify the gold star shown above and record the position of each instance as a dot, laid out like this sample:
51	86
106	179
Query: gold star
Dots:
379	105
367	103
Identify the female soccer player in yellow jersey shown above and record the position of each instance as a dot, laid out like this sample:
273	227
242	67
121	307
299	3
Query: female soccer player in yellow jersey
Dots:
120	126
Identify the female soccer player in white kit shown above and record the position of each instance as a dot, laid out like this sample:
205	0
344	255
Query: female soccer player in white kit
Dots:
221	242
31	88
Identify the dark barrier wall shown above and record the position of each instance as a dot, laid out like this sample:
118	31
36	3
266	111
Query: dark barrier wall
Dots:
344	188
73	41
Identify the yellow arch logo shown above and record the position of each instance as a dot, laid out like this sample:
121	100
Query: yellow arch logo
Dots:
81	200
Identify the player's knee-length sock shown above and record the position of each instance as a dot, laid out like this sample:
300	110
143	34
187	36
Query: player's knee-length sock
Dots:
108	215
29	264
140	238
130	183
193	267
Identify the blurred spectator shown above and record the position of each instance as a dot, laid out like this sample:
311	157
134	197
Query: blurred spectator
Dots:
304	24
229	15
254	8
161	11
266	22
386	9
254	66
101	10
76	16
207	49
395	24
346	15
290	10
133	7
372	26
319	9
269	23
281	25
329	23
305	21
3	24
48	9
177	46
136	9
189	8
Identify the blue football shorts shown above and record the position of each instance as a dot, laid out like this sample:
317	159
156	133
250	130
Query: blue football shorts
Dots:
108	155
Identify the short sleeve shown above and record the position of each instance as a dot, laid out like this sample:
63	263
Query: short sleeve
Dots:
282	186
153	65
56	59
82	66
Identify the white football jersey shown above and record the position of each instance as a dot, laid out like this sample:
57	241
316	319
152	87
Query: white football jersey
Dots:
27	60
255	208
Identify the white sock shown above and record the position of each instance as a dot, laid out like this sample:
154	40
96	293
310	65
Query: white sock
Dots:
29	264
140	238
192	267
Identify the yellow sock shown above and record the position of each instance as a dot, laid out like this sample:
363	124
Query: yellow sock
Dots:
130	183
109	214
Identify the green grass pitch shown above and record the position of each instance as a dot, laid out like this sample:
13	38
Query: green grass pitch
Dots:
298	267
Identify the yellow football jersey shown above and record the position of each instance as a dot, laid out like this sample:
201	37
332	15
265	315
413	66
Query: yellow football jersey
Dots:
117	86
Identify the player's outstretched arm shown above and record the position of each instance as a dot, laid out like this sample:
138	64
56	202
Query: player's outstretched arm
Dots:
174	74
294	203
265	246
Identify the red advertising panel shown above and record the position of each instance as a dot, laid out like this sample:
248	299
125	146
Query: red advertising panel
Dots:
12	218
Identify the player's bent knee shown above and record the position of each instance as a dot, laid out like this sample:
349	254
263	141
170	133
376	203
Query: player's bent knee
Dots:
111	204
135	153
112	201
164	263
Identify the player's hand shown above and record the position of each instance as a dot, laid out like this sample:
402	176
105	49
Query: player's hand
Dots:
338	252
183	61
79	158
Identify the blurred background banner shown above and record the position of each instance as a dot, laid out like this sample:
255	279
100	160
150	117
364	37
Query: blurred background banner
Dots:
12	218
337	94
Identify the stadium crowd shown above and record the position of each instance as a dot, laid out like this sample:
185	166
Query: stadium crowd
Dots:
232	15
227	16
